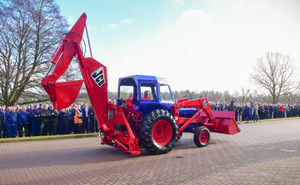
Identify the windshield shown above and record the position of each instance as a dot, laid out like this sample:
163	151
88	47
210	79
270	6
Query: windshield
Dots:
126	91
165	93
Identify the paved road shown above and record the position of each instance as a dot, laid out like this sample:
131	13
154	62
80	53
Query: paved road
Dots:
263	153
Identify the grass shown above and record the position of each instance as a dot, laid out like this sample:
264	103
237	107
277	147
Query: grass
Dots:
266	120
48	137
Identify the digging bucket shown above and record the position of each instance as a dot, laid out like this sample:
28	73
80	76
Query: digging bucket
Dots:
66	93
225	122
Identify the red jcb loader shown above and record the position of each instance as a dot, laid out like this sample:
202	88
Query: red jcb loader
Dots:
145	115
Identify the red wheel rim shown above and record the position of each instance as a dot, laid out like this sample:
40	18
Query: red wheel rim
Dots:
162	132
204	137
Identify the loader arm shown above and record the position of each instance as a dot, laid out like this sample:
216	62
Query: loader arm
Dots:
216	121
200	104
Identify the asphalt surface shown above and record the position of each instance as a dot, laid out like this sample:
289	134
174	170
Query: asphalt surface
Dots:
263	153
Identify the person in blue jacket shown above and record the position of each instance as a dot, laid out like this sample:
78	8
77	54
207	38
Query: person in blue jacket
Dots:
23	122
35	115
11	118
28	111
85	118
247	113
2	126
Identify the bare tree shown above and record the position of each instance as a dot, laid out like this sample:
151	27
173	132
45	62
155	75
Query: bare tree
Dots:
245	95
275	73
30	32
226	97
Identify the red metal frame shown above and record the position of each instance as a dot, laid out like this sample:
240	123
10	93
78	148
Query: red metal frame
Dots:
216	121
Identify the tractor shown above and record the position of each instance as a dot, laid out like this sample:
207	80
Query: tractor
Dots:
145	115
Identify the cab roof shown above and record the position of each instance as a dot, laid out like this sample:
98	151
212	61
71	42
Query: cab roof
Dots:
145	78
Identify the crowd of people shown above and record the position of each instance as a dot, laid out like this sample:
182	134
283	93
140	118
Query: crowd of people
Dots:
34	120
254	111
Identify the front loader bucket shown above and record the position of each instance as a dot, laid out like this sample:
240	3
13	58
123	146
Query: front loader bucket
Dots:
225	122
66	93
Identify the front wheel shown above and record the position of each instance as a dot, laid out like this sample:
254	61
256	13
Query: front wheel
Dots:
201	136
178	137
158	132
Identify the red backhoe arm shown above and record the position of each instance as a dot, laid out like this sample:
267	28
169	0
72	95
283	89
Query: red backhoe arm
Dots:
63	94
94	74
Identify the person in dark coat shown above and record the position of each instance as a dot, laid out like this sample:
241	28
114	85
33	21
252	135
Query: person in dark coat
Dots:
45	119
62	121
11	118
23	122
92	125
53	121
35	115
70	112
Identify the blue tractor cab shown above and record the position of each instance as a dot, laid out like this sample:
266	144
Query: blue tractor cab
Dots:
148	93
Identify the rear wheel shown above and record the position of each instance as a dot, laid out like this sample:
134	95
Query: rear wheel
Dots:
201	136
158	132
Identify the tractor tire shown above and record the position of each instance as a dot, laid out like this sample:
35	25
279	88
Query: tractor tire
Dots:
201	136
178	137
158	132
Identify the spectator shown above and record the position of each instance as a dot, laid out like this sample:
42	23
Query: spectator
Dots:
85	118
35	115
28	111
45	119
78	120
92	120
23	122
2	127
70	113
256	116
11	122
62	122
281	111
53	121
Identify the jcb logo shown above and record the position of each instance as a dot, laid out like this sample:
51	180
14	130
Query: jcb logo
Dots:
98	76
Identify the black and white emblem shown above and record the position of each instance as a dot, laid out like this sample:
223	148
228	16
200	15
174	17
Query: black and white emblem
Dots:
98	76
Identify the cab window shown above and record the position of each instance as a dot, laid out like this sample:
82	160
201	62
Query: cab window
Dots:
126	92
148	91
165	93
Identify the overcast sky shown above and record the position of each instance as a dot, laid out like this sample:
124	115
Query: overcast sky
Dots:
195	44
